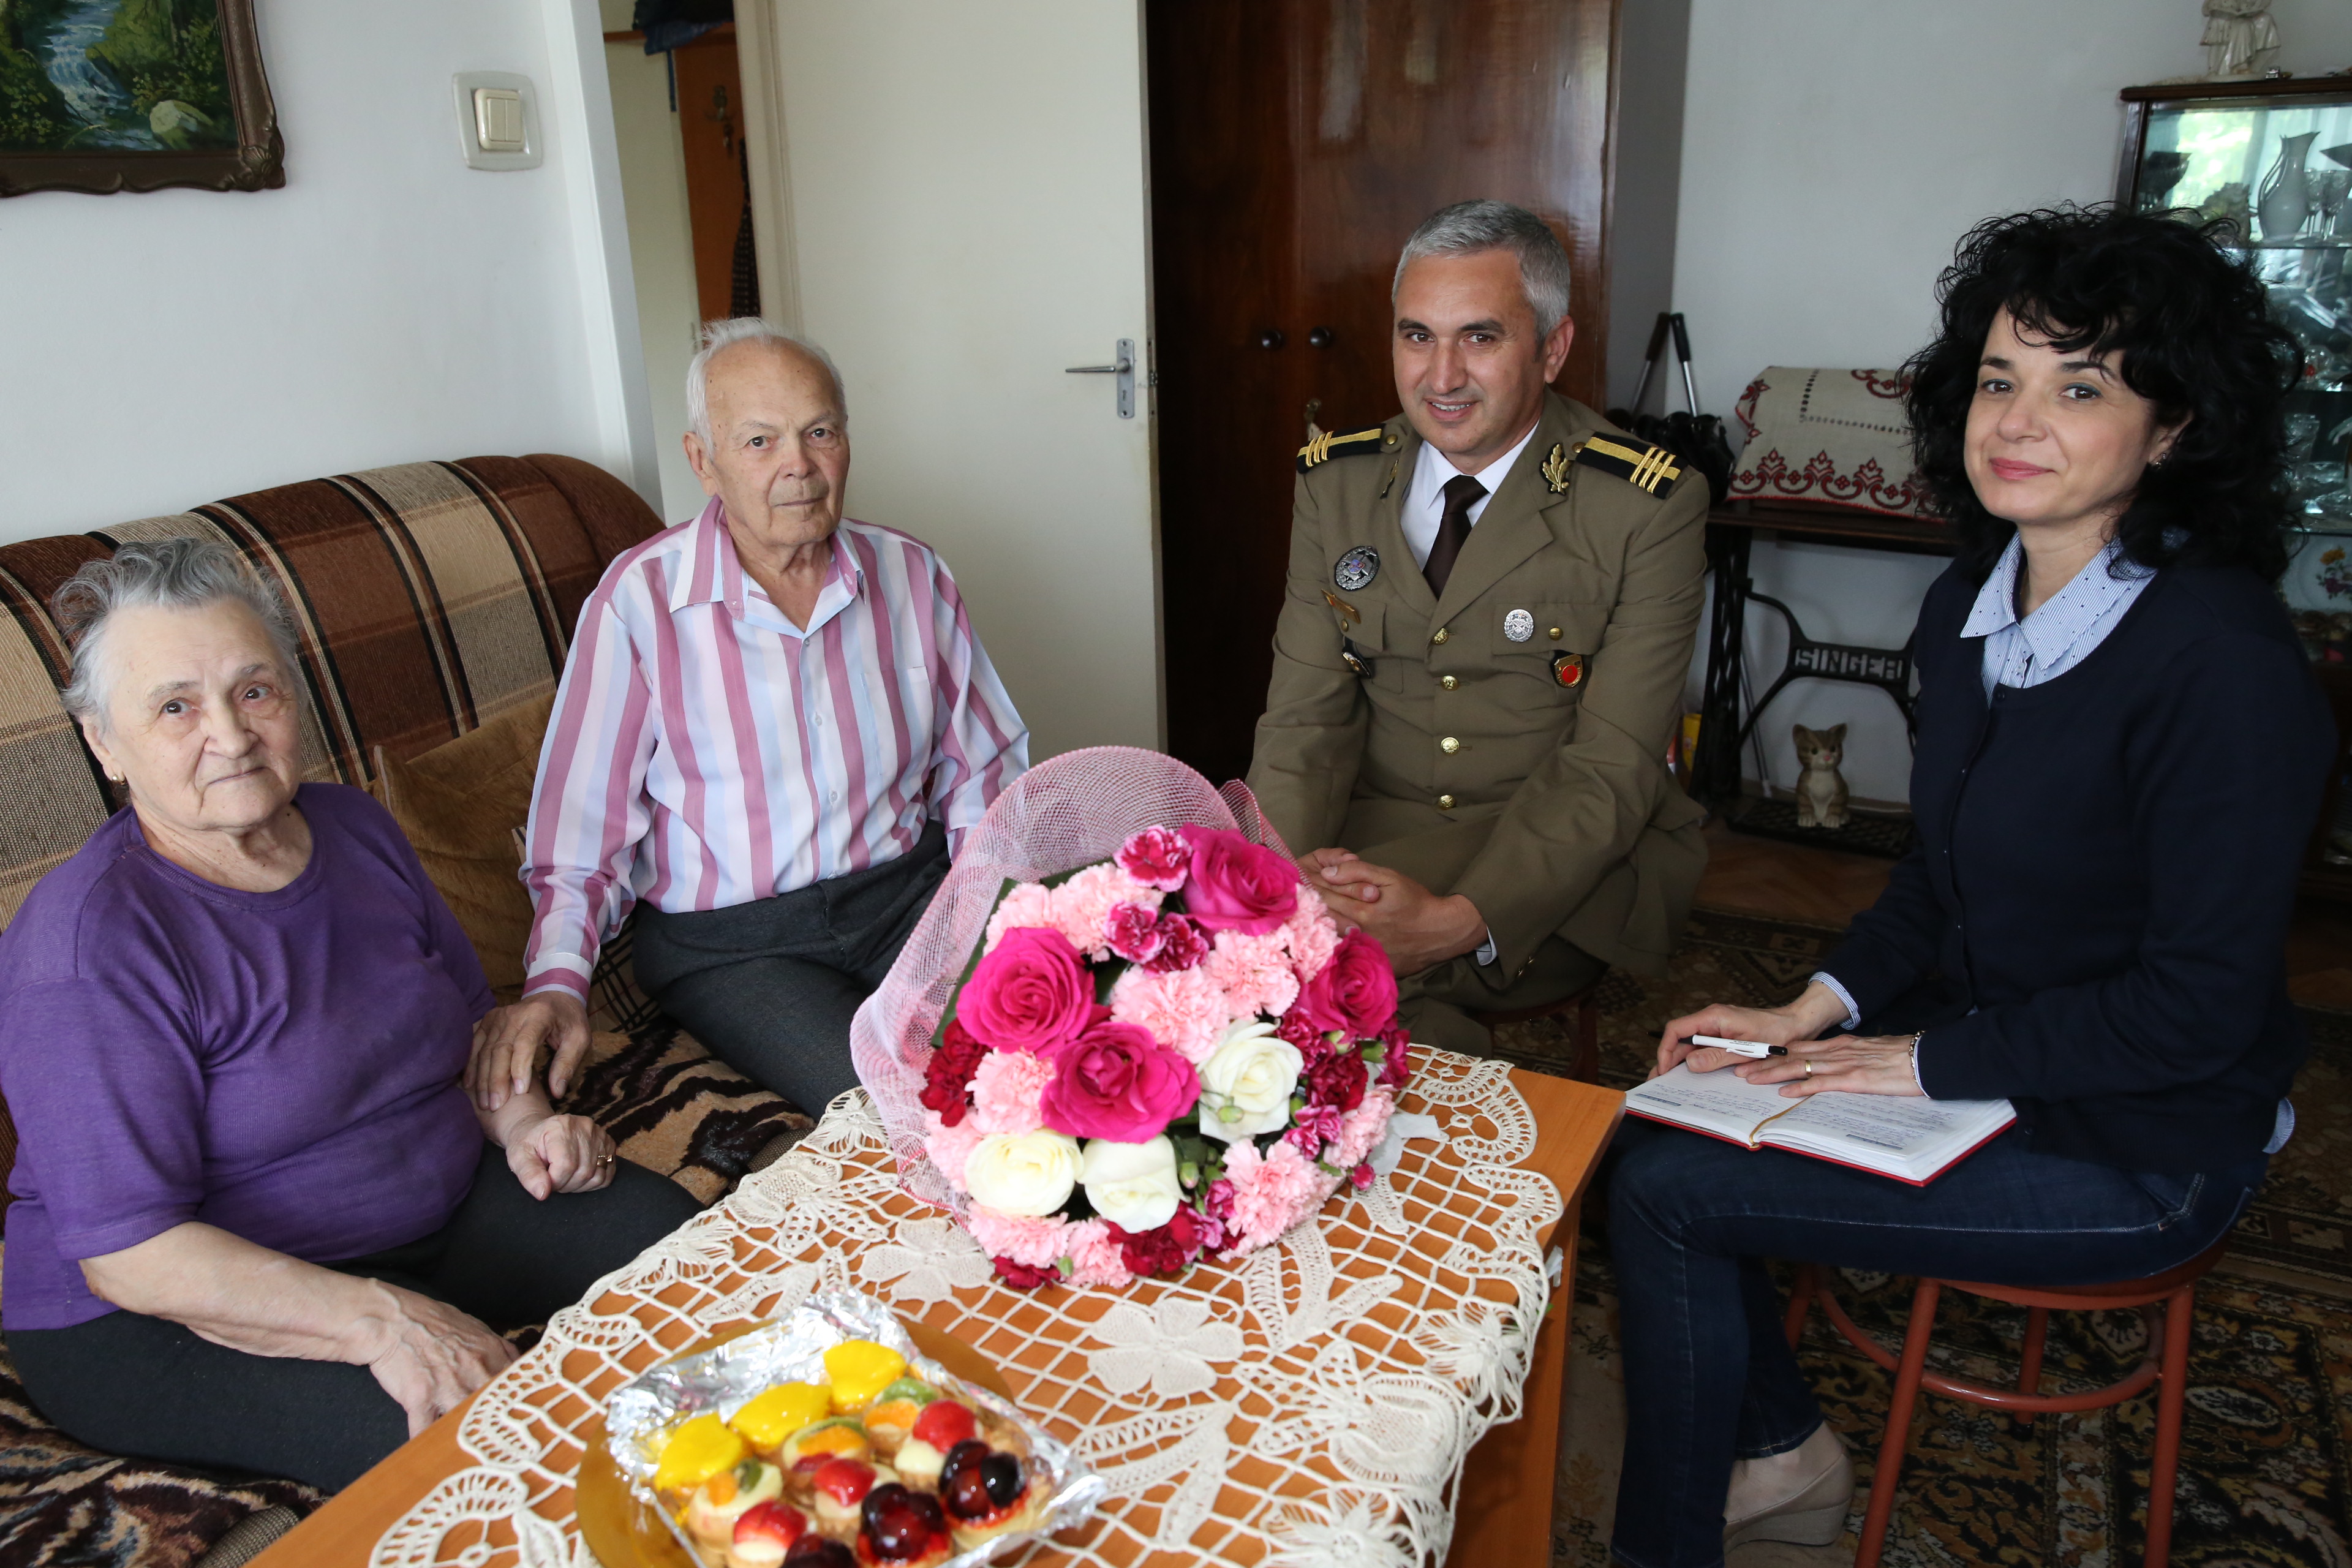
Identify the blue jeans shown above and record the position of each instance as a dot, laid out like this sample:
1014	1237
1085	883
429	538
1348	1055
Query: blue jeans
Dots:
1709	1375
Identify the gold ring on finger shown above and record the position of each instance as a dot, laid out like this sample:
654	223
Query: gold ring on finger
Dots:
1808	1067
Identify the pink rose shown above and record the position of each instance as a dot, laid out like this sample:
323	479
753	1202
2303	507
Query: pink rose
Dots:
1029	994
1183	944
1134	934
1115	1081
1155	858
1356	993
1237	885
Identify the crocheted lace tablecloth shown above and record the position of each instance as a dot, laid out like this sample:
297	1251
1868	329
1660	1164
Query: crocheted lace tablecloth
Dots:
1311	1404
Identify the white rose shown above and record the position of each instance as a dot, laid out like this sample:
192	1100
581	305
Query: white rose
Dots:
1030	1176
1252	1075
1133	1185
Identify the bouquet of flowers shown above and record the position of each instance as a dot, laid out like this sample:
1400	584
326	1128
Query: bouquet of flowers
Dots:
1168	1055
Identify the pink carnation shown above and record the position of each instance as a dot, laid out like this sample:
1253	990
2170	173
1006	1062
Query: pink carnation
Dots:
1312	937
1183	943
1028	904
1361	1128
950	1147
1255	973
1185	1011
1135	933
1082	906
1271	1192
1039	1242
1155	858
1006	1089
1095	1254
1311	1127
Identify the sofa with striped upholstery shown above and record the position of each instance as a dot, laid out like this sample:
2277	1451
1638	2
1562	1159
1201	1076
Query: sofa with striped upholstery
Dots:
428	599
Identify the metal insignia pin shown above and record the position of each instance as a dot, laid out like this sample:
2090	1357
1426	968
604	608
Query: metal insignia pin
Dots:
1519	625
1555	471
1357	568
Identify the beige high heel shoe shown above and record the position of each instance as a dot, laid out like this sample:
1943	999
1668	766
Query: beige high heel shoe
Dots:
1799	1496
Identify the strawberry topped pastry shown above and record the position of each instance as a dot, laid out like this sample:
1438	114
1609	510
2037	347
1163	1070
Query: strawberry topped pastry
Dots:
902	1528
942	1424
764	1534
840	1488
719	1502
835	1437
986	1492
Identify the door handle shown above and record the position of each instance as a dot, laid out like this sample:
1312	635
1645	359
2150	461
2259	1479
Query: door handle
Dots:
1124	369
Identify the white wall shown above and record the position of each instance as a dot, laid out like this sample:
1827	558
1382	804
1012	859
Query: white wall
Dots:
1832	151
389	304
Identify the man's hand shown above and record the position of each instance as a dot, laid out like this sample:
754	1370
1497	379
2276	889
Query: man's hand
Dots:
560	1154
425	1353
1416	927
508	1041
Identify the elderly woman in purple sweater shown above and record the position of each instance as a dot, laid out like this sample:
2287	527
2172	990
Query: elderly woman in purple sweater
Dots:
259	1222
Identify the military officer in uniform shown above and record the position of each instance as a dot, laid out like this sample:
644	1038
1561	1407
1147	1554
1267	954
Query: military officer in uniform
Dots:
1481	654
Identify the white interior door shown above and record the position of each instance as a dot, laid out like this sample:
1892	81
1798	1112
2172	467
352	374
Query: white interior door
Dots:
962	209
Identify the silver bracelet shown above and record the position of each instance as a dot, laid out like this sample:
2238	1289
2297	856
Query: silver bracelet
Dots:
1916	1081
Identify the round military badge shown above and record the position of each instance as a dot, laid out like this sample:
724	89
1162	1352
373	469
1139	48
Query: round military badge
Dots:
1357	568
1519	625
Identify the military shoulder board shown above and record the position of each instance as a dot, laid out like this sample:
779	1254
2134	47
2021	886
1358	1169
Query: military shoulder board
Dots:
1329	445
1650	469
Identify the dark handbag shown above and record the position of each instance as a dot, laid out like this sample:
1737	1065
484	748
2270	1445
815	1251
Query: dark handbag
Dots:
1696	438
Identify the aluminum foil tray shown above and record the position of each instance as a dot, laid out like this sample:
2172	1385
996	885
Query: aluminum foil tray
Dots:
643	1411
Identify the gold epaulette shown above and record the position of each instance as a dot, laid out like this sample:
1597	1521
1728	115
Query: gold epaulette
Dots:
1650	469
1354	443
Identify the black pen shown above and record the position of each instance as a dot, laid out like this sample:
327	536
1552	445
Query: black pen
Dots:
1739	1047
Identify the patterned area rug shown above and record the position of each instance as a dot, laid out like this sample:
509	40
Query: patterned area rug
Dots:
669	1106
2266	1473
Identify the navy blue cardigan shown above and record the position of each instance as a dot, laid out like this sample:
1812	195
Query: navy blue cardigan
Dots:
2106	868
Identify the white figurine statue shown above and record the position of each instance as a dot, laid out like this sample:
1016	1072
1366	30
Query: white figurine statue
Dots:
2241	40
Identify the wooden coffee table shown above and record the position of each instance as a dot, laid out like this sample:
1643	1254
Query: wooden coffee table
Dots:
1505	1509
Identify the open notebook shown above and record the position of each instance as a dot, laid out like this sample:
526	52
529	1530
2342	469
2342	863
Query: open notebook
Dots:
1913	1141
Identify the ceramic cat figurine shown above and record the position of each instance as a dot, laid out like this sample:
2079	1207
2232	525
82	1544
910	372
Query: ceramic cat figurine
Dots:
1821	788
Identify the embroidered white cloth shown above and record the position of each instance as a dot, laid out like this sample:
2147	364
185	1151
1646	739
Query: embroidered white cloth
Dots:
1312	1404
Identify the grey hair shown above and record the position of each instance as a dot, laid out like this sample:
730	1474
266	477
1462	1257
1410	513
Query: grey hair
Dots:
717	335
1467	227
184	574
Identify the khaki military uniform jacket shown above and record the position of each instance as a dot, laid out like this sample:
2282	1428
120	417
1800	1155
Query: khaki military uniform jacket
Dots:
1508	742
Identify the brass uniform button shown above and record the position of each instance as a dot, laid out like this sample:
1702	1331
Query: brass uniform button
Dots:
1439	635
1555	634
1449	683
1449	746
1445	803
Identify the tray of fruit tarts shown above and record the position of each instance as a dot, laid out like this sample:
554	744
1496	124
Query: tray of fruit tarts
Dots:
828	1439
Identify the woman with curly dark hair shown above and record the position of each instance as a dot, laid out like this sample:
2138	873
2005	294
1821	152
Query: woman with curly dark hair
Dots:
2119	757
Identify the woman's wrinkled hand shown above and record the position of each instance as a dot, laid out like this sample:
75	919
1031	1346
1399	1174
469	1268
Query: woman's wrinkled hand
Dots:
1850	1063
508	1042
427	1354
560	1154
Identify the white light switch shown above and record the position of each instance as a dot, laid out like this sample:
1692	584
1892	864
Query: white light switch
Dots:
498	120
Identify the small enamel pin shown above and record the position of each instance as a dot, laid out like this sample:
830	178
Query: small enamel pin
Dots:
1519	625
1357	568
1555	471
1568	668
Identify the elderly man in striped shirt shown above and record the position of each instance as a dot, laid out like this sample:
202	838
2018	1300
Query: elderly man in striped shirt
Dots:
775	726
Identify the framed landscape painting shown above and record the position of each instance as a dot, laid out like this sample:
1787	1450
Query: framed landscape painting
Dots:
134	95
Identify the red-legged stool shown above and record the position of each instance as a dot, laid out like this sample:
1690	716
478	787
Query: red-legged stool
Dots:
2167	1359
1584	1067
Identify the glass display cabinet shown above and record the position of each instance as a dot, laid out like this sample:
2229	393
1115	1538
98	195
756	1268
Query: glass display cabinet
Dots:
2273	159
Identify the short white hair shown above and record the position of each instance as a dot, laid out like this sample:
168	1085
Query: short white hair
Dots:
717	335
1466	228
183	573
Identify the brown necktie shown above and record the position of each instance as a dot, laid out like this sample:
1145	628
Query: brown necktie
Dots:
1461	493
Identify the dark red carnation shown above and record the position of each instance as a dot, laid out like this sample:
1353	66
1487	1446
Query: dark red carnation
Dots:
947	1078
1183	944
1397	1067
1022	1277
1163	1250
1300	1030
1337	1082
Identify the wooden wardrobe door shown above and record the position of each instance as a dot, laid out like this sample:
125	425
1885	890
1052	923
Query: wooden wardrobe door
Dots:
1295	144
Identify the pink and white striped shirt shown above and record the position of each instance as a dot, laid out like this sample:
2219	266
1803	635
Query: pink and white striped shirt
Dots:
705	751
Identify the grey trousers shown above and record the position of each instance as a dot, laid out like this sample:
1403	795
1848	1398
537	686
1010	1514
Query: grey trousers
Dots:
771	987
